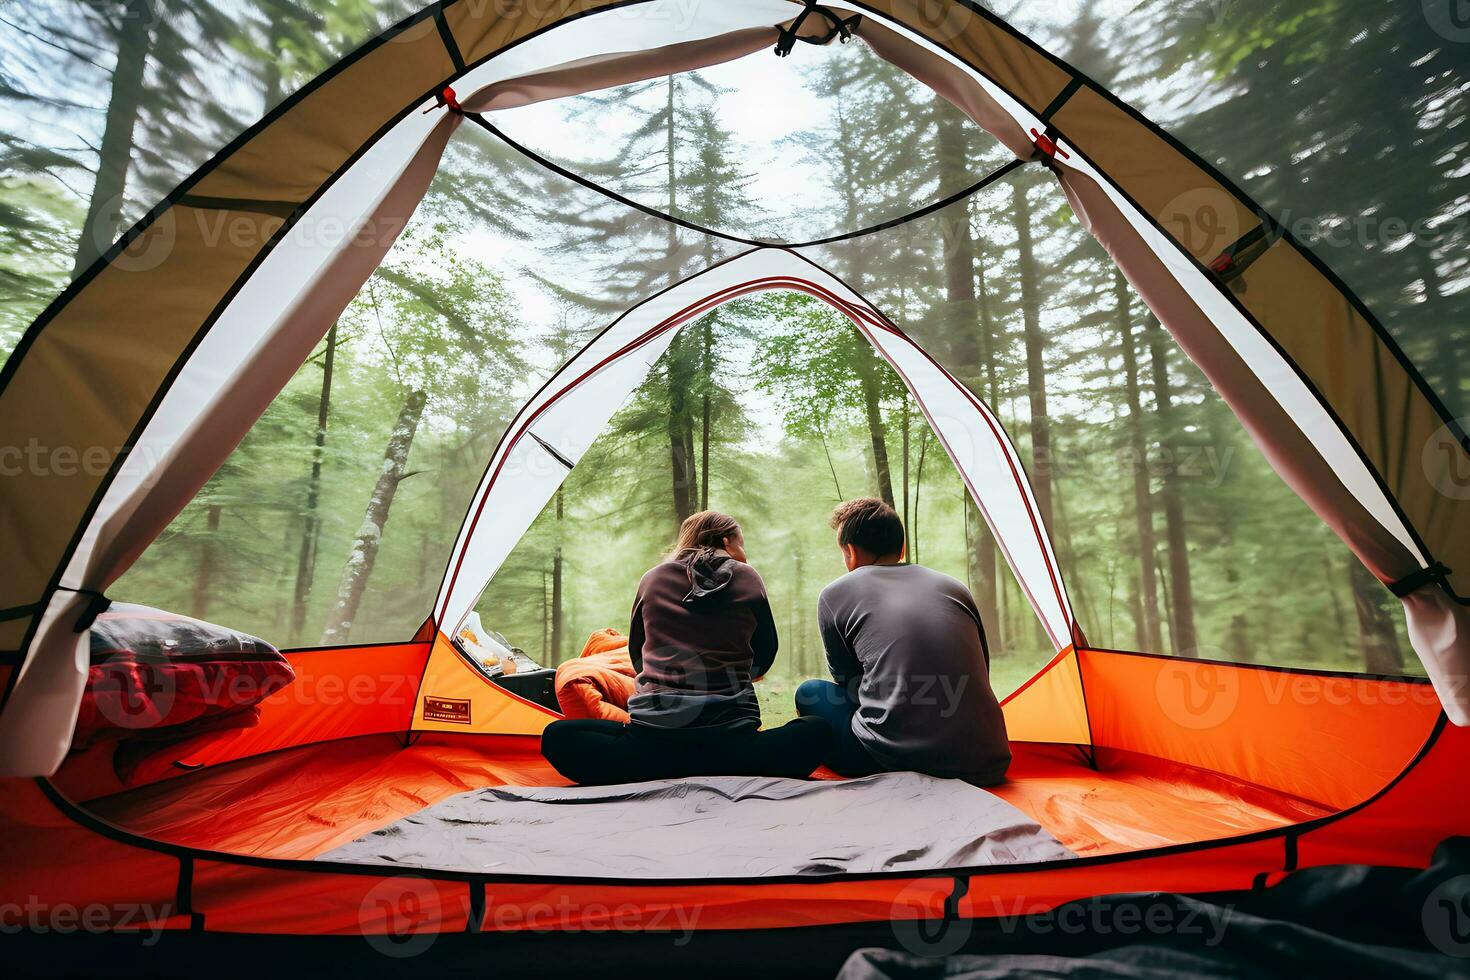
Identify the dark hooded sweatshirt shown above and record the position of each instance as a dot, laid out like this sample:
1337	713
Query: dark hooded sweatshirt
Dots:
702	630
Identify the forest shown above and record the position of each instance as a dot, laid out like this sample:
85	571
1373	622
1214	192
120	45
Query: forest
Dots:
332	522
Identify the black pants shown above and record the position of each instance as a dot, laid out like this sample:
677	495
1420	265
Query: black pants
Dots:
594	752
836	705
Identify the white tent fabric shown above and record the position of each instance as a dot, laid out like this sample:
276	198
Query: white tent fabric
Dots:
577	402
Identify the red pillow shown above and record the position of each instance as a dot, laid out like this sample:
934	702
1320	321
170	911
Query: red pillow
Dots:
152	670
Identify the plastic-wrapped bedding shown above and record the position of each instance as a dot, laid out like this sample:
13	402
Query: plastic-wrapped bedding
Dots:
716	826
156	674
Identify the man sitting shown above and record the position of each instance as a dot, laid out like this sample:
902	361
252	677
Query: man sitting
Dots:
907	651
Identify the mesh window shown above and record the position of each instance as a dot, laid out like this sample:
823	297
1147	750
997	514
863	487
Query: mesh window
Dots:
177	80
1346	122
788	439
504	270
826	141
1115	423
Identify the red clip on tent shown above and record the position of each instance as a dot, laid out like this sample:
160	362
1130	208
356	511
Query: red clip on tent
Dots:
1161	773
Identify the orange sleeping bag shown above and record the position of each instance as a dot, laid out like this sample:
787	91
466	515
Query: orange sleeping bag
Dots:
599	683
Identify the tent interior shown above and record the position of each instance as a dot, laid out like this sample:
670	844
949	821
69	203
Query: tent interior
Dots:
539	232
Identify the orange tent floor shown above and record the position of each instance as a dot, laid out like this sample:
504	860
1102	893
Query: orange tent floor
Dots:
301	802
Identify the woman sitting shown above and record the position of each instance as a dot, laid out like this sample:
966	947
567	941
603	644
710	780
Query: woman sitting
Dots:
702	631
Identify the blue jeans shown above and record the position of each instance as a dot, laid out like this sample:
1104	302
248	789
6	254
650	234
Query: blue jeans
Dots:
833	704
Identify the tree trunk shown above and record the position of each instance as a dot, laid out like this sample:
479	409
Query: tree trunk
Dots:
204	580
1339	619
1376	637
798	617
311	526
989	598
102	223
969	325
681	455
671	168
1186	642
679	463
709	380
907	513
364	553
557	612
1150	638
868	367
919	490
693	470
1041	460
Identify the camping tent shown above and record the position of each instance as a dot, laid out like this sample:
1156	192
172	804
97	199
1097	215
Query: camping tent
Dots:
1164	774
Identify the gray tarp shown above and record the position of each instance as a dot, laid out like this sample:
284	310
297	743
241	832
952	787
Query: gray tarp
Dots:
716	826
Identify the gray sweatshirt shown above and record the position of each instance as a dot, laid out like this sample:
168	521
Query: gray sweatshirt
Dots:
909	641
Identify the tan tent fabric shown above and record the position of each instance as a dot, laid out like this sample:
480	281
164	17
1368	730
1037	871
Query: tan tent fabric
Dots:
291	158
1192	207
1353	366
1020	68
1372	393
482	29
80	390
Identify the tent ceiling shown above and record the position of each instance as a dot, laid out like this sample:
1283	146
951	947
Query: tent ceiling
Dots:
284	168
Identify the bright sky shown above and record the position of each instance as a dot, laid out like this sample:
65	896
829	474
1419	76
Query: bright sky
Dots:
765	101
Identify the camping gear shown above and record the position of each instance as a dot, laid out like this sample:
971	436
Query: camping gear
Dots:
717	825
1161	773
156	672
599	682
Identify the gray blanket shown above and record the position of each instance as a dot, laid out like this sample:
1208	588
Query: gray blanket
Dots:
713	827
